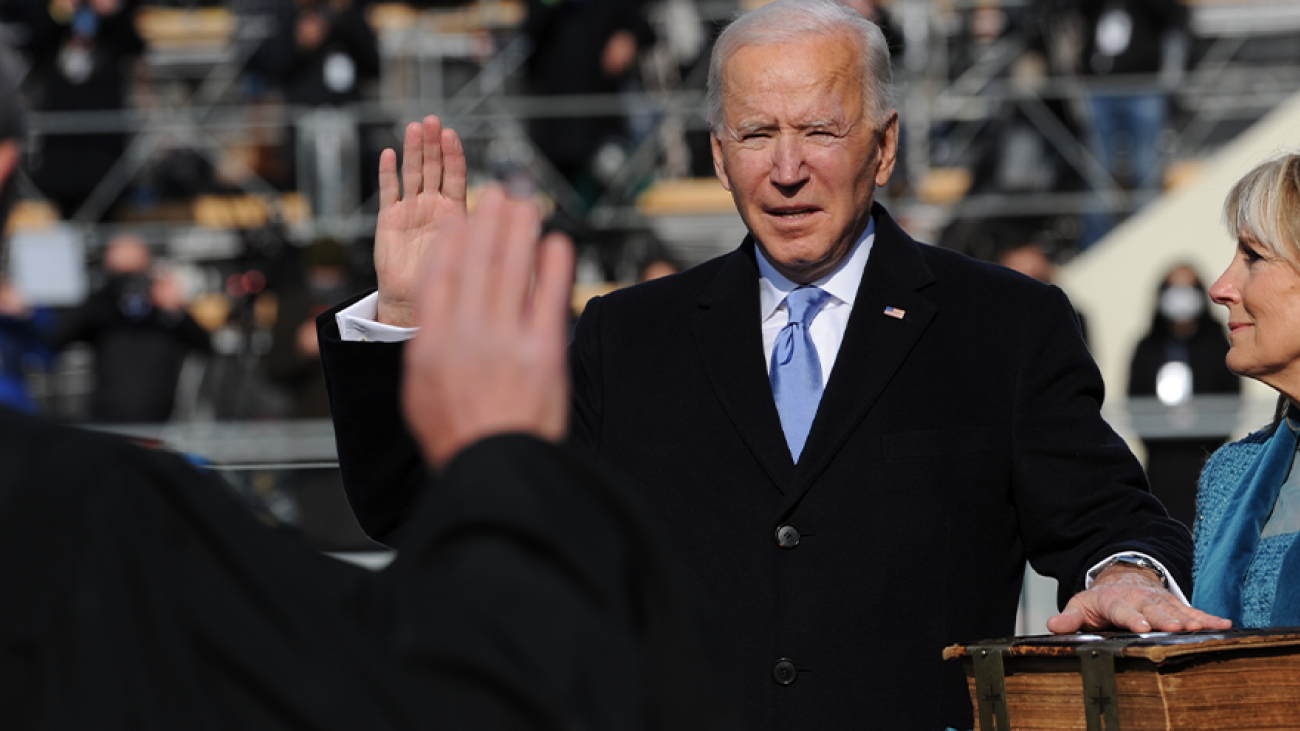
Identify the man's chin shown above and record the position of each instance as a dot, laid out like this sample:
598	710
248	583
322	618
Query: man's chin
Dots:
799	267
803	272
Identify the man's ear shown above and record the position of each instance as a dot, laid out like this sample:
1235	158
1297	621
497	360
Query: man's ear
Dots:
719	165
9	154
888	150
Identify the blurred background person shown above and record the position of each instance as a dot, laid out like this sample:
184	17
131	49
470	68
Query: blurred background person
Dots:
137	325
1180	357
1017	150
656	266
582	47
84	56
1029	257
324	52
878	14
318	508
23	330
1132	54
323	58
293	362
1246	567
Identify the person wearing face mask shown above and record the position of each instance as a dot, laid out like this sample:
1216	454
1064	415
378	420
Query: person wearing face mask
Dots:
323	58
1181	356
1132	55
140	332
85	57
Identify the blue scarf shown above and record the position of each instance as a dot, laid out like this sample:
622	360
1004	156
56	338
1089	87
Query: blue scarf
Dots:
1233	545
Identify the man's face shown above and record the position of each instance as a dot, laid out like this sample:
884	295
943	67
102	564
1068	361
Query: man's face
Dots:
799	153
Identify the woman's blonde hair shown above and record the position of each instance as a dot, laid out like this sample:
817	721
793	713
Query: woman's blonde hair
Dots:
1264	206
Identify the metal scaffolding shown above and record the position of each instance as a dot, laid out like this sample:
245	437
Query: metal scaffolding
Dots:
1246	58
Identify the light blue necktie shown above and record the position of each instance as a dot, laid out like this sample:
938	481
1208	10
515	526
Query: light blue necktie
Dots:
796	372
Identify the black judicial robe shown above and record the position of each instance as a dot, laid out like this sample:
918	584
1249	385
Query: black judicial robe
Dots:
138	594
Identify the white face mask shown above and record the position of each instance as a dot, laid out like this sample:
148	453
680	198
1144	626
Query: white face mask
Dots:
1182	303
340	73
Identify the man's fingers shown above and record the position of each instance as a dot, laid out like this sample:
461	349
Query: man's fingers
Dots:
1088	610
516	258
412	159
455	172
484	241
1067	622
439	283
1171	615
553	291
1136	606
1207	620
389	184
1123	613
432	152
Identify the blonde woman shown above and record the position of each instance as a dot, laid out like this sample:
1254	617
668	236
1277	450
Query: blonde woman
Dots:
1247	562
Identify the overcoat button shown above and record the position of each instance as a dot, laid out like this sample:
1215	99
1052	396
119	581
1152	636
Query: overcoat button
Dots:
787	536
784	672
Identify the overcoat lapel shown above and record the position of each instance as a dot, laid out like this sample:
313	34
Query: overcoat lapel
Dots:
875	346
729	339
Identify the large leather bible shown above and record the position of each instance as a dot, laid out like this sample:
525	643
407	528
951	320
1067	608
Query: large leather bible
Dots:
1235	679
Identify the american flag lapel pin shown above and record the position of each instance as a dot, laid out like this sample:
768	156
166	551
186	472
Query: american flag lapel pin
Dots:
895	312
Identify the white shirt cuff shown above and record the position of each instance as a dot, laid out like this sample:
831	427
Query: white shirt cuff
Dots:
358	323
1174	588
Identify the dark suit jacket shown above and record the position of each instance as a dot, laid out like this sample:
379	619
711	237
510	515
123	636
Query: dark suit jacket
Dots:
951	445
140	595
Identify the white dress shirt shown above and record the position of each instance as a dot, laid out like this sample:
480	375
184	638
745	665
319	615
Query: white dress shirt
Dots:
827	329
357	322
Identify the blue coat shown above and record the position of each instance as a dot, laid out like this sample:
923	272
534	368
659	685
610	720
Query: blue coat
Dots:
1220	482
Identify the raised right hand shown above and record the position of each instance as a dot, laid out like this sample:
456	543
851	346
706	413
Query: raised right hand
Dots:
432	201
493	315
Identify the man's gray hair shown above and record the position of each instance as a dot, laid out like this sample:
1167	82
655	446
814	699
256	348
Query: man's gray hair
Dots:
788	21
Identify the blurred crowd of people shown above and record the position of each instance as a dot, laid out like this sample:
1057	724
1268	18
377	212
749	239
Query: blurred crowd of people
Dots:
259	350
139	323
1100	70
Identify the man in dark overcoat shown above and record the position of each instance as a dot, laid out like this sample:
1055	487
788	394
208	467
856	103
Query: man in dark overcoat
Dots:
858	440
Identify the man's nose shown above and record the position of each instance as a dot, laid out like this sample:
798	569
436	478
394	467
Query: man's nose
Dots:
788	162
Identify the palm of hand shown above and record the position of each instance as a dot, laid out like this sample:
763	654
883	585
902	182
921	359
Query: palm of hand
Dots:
407	231
416	212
